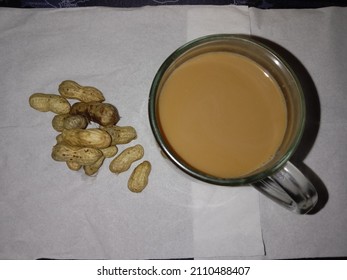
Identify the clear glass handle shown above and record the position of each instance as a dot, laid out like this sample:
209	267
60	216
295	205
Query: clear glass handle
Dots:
289	188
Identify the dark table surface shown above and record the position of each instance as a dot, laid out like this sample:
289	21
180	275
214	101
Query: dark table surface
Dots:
263	4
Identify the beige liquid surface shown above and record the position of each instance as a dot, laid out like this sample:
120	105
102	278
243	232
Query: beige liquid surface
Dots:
222	114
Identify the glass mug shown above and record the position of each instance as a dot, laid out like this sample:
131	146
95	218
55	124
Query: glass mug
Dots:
278	179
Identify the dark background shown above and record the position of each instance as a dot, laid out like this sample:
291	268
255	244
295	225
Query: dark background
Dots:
263	4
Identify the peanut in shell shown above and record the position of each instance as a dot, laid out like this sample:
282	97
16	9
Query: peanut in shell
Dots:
124	160
138	179
92	137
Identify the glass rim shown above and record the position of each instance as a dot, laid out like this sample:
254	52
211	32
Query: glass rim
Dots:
155	126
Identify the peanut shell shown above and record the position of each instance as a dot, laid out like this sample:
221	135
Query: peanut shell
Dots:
124	160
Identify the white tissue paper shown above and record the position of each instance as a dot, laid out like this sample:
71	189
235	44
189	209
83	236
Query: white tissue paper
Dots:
317	39
48	211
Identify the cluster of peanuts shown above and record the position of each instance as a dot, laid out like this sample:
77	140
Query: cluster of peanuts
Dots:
87	148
